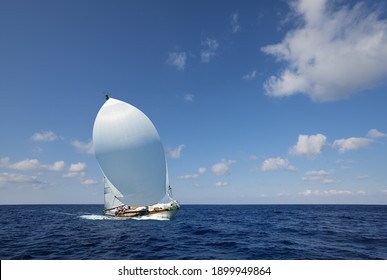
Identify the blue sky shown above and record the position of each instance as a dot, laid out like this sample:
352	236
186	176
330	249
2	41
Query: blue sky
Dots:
255	101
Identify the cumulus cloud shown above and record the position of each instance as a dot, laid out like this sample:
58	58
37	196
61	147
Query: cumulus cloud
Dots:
374	133
201	171
57	166
189	97
12	178
76	170
352	143
309	146
83	147
27	164
235	26
209	48
77	167
221	184
335	53
321	176
175	153
44	136
33	164
88	181
177	59
223	167
277	163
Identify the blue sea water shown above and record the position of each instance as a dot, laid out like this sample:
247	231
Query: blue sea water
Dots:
273	232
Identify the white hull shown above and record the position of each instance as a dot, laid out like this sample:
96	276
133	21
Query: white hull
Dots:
160	211
166	215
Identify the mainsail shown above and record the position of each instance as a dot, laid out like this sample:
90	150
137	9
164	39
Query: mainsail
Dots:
130	154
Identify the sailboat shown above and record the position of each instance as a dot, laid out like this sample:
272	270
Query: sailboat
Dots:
132	159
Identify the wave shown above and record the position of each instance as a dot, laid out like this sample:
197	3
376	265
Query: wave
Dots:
199	232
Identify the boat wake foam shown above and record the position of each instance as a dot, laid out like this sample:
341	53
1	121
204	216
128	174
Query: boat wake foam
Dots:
95	217
103	217
150	218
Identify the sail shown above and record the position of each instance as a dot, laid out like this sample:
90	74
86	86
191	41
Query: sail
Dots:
130	154
113	196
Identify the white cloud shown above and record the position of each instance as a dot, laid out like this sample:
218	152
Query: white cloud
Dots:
352	143
177	59
330	192
221	184
250	76
210	43
321	176
235	26
209	47
88	181
27	164
44	136
201	171
223	167
76	170
337	52
34	164
309	146
84	147
189	97
374	133
12	178
277	163
57	166
77	167
175	153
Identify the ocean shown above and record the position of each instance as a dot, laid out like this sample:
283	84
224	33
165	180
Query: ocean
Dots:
199	232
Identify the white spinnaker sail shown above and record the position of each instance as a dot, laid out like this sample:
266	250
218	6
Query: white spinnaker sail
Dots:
129	152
